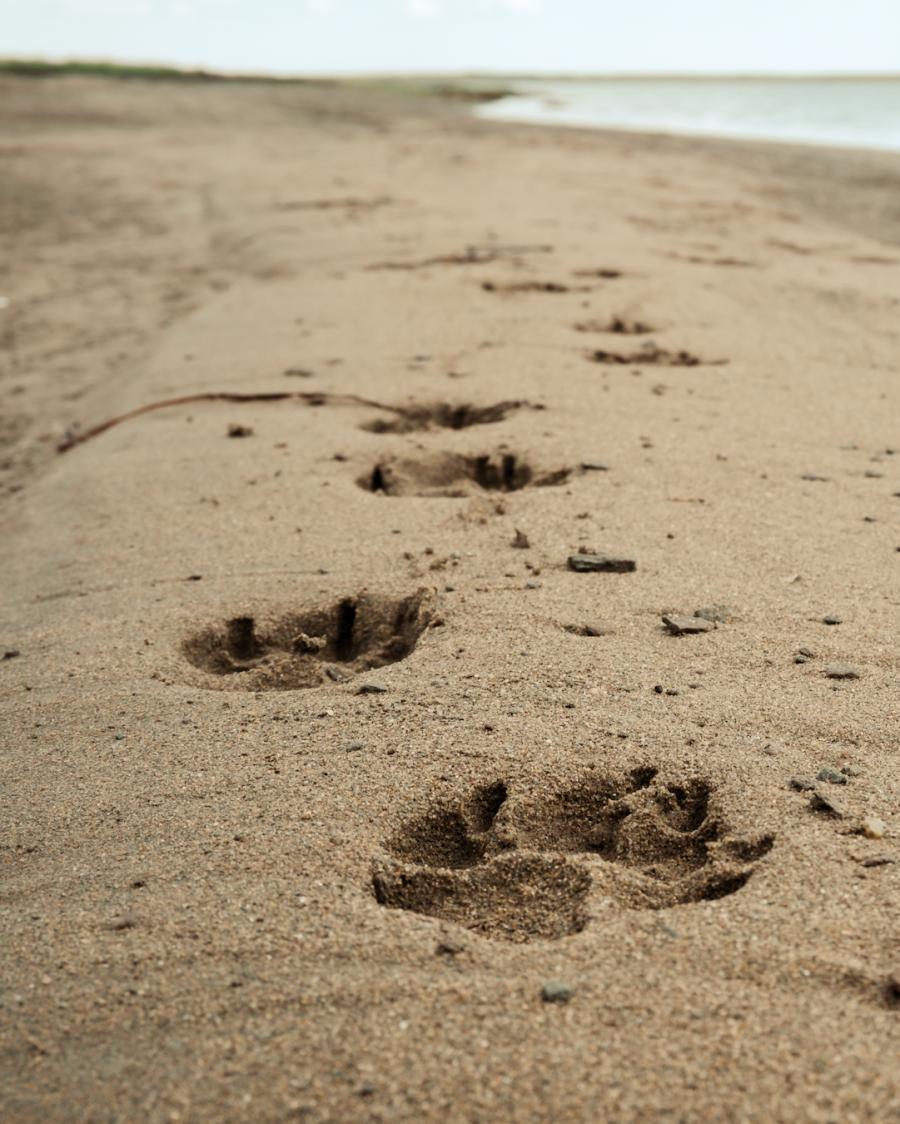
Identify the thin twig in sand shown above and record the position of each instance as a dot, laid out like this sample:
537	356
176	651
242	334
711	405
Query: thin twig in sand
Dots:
312	398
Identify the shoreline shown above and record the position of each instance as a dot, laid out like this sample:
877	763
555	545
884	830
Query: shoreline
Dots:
687	134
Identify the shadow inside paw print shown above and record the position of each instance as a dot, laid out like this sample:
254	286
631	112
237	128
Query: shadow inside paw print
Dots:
523	867
296	650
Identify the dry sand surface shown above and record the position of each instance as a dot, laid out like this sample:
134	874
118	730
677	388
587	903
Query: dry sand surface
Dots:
330	791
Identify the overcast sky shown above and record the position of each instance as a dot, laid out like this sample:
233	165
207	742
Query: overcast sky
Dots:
598	36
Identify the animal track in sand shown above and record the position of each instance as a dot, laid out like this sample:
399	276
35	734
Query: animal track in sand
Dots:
524	867
651	354
445	415
456	475
618	325
307	649
532	287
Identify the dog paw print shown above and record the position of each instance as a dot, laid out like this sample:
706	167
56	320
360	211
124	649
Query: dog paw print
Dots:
523	867
296	650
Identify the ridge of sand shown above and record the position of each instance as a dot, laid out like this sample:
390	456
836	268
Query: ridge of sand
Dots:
522	854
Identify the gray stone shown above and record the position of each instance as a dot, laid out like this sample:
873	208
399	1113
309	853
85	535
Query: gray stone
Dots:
355	747
371	689
831	775
584	563
832	618
555	991
803	784
687	626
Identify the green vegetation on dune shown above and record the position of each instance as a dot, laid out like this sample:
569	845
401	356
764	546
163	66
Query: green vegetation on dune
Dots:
469	89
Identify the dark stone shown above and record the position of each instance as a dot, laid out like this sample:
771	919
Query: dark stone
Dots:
556	992
803	784
831	775
584	563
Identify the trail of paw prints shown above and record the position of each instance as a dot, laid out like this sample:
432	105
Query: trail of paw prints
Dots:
308	649
523	868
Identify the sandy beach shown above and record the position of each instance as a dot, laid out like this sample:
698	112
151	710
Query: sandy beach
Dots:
479	700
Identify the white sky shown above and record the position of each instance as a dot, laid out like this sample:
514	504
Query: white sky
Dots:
596	36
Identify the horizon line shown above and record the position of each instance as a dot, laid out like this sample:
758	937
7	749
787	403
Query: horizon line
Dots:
460	72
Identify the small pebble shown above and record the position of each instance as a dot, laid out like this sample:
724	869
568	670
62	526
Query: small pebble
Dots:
520	541
235	430
11	653
555	992
831	775
355	747
832	618
803	784
586	563
687	626
371	689
873	828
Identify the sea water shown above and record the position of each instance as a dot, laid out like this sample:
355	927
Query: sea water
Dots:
863	113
